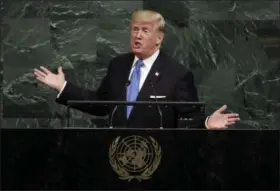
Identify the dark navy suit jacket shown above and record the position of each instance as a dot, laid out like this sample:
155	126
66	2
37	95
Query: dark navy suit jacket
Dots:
173	81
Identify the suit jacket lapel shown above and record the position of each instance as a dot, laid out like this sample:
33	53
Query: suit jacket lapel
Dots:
126	69
153	76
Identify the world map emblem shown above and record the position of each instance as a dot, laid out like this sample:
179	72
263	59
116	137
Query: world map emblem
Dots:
134	157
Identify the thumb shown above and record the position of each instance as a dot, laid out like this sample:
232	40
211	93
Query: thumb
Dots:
59	70
221	109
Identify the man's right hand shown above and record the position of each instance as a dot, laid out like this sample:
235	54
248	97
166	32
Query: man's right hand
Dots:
45	76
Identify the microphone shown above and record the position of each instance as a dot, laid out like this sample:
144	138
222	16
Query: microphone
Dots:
158	107
116	106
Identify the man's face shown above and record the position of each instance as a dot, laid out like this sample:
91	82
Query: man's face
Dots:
144	38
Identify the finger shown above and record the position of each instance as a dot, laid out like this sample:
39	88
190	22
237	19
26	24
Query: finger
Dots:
45	70
232	115
230	123
221	109
59	70
233	120
38	73
41	79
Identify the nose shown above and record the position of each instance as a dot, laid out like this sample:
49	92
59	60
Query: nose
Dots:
138	34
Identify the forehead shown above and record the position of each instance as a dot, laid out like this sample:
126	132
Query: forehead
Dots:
148	24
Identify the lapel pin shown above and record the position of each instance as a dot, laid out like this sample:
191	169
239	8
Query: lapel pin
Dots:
157	74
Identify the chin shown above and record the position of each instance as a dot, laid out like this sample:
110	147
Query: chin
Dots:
135	51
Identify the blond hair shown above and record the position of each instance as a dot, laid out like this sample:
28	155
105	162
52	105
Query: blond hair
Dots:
149	15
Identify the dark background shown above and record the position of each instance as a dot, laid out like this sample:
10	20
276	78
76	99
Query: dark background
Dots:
231	46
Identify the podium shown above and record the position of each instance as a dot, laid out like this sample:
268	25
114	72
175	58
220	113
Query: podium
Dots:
192	114
139	159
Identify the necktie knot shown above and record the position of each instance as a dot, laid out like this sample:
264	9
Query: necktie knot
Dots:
138	65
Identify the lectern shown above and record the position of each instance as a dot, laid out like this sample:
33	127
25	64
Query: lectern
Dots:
121	158
193	112
139	159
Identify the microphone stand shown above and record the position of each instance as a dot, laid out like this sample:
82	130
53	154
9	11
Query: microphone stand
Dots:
113	112
116	106
158	108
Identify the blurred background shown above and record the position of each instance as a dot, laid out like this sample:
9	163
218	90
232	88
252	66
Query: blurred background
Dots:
233	48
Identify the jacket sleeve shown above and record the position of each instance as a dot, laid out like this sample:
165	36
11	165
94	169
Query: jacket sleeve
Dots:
73	92
186	91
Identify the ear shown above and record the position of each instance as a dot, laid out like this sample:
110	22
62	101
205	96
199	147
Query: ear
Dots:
160	36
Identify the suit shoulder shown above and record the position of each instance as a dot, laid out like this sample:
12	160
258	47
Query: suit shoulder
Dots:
175	66
122	57
120	60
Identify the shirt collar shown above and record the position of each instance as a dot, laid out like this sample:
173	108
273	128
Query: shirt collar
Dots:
148	62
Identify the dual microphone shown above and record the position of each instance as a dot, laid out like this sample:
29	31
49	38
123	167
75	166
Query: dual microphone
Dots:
158	107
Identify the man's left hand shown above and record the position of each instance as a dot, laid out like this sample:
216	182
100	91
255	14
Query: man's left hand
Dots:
219	120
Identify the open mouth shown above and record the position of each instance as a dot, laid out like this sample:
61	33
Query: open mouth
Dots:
137	44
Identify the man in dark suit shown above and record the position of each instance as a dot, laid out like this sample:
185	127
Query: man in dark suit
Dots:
141	75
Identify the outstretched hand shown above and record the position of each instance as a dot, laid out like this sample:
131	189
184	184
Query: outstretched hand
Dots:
219	120
52	80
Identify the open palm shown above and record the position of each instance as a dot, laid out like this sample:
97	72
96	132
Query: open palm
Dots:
52	80
220	120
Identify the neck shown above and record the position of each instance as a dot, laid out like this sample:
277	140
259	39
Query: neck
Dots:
143	57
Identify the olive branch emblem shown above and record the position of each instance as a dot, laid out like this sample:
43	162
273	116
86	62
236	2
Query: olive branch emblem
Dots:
124	174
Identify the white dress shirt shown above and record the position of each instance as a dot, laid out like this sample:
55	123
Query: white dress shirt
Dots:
145	69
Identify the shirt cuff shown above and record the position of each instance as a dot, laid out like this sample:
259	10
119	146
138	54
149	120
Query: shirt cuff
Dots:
206	122
62	89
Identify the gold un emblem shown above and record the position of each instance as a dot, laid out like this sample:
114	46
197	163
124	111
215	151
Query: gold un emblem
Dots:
134	157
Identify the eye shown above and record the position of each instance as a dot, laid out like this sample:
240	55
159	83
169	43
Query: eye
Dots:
146	30
135	29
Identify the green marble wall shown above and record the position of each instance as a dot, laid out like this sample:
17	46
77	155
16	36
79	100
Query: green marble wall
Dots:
232	46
